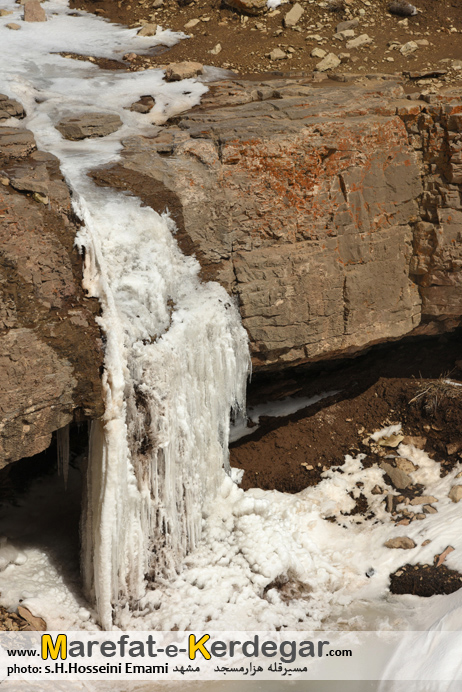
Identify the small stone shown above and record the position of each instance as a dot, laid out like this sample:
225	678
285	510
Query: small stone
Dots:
419	516
402	542
408	48
130	57
12	26
183	70
439	559
308	467
455	494
402	8
377	490
403	522
5	13
191	23
248	6
293	16
35	623
277	54
406	465
427	542
359	41
453	447
5	181
217	49
40	198
423	500
342	35
318	53
390	441
34	12
399	478
330	62
428	509
344	26
344	57
390	503
148	30
456	65
144	105
415	441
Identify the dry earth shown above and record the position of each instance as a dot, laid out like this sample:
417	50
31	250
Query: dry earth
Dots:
246	41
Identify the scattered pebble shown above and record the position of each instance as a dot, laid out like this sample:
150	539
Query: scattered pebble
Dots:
148	30
328	63
293	16
402	8
455	494
402	542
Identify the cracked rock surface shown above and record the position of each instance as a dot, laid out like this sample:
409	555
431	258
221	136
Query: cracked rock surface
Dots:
332	214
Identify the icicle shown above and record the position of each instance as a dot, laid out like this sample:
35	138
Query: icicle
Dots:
62	444
176	365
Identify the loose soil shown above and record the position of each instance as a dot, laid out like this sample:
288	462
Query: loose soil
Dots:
246	41
425	580
376	390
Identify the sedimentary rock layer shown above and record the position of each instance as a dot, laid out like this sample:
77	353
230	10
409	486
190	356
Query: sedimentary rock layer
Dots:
333	214
50	348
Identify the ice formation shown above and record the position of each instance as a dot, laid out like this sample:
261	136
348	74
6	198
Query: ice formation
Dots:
176	356
62	443
176	367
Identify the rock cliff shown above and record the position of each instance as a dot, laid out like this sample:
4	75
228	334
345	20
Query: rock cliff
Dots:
332	213
50	349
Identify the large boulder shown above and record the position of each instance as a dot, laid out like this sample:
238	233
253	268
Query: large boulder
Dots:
50	347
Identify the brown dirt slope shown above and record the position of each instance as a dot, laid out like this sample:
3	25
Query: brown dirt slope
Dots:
247	41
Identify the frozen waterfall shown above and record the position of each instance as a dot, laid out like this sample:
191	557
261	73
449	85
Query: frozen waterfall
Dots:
175	369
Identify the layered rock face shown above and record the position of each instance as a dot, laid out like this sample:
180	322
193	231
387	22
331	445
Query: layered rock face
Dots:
333	214
50	349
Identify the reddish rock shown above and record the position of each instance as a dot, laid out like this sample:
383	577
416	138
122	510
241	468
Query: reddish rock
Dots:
328	212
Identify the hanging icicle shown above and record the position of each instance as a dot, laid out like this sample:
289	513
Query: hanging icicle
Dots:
62	444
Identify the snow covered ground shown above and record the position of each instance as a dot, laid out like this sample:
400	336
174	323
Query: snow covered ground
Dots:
338	570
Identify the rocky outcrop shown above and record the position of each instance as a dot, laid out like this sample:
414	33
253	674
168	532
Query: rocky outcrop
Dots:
9	108
333	214
50	349
89	125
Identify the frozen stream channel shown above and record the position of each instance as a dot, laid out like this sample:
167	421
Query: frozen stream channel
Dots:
179	346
